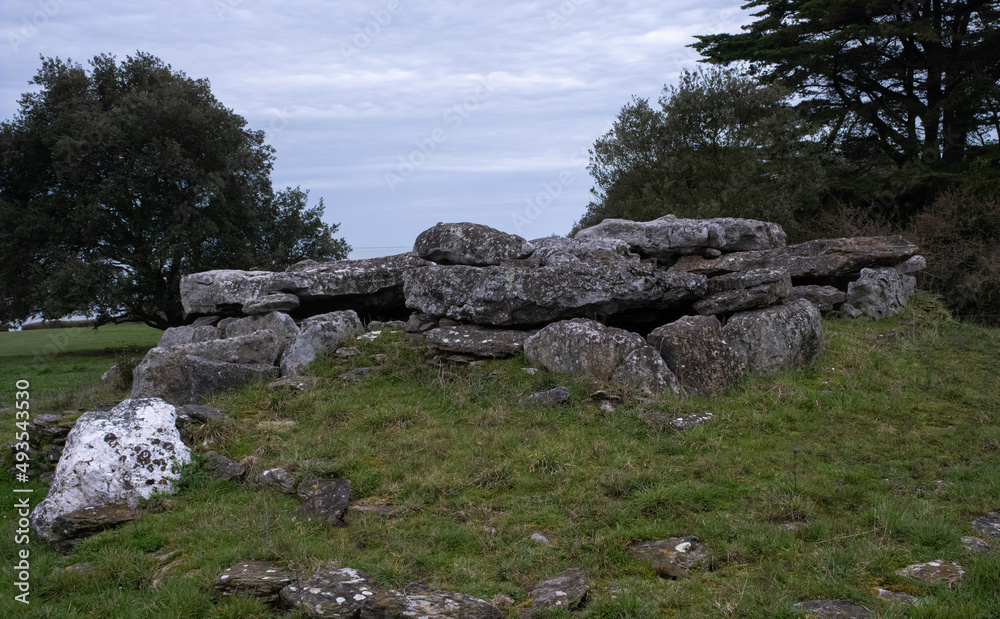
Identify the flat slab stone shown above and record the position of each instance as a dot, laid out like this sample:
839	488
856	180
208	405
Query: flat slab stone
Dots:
832	609
976	544
565	591
825	298
477	341
672	557
937	572
326	500
331	594
896	597
257	578
549	397
427	605
71	527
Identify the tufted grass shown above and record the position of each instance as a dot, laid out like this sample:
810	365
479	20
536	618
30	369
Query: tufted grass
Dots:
878	456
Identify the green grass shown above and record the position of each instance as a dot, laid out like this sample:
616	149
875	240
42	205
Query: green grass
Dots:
879	455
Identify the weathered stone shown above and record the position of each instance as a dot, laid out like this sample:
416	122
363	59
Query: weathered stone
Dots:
938	572
110	377
205	414
427	605
471	244
549	397
385	325
645	370
896	597
976	544
180	336
878	293
988	524
478	341
696	352
380	508
831	609
319	335
553	251
671	558
349	284
819	258
581	346
280	324
542	538
48	429
71	527
274	302
825	298
418	323
184	379
565	591
330	593
670	236
326	500
279	479
743	290
691	420
782	337
356	375
223	468
911	265
114	457
256	578
520	295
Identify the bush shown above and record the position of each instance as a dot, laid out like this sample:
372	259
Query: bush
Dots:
959	234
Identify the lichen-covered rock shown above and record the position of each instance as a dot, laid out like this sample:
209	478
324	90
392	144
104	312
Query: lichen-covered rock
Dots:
330	593
988	524
819	258
937	572
325	500
427	605
878	293
782	337
565	591
911	265
256	578
669	236
522	295
671	558
581	346
184	379
319	335
471	244
553	251
744	290
831	609
825	298
698	354
478	341
549	397
71	527
114	457
274	302
644	370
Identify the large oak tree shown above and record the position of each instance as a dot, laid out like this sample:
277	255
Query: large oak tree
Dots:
118	181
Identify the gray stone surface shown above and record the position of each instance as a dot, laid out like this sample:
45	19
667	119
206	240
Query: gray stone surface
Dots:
825	298
937	572
279	479
782	337
477	341
581	346
670	236
471	244
744	290
697	353
256	578
427	605
184	379
324	500
330	593
819	258
223	468
114	457
522	295
205	414
553	251
274	302
645	371
549	397
988	524
565	591
672	557
71	527
976	544
831	609
319	335
911	265
878	293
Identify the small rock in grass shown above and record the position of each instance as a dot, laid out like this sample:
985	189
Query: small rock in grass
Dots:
937	572
550	397
976	544
989	524
831	609
567	590
672	557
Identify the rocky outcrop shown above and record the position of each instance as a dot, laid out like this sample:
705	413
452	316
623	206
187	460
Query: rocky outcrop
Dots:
669	236
471	244
783	337
878	293
696	351
115	457
319	287
522	295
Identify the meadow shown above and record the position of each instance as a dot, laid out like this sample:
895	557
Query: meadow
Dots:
812	484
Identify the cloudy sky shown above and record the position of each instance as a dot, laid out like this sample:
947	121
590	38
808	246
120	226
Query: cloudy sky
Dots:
398	113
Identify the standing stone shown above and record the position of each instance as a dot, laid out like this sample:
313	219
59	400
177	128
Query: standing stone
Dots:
782	337
471	244
878	293
565	591
697	353
581	346
114	457
645	370
319	335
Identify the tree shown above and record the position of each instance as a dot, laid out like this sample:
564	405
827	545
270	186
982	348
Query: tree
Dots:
721	144
117	182
915	81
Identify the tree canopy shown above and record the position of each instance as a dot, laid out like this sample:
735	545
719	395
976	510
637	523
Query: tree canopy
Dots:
116	182
917	81
720	144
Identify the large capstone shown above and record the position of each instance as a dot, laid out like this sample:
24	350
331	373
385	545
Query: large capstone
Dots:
119	457
468	243
522	295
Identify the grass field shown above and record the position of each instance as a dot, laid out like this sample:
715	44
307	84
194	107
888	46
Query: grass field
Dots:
878	456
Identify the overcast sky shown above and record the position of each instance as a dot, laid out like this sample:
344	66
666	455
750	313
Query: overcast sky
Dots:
398	113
